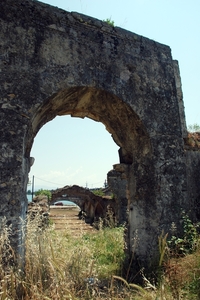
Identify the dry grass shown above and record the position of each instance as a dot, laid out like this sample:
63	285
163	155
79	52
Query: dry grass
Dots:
60	267
193	140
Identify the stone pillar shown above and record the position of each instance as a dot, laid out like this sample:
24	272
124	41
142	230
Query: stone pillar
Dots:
118	182
14	169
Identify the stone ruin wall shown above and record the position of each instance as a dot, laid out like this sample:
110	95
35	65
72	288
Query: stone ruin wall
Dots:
59	63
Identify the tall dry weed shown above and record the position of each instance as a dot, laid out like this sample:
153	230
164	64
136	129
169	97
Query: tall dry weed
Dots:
59	266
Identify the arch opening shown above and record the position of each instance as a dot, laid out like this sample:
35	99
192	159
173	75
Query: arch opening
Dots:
71	151
130	179
125	127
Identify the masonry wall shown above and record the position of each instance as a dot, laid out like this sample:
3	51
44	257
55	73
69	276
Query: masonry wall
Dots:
59	63
193	179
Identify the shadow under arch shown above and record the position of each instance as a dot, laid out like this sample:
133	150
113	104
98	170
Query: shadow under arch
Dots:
126	128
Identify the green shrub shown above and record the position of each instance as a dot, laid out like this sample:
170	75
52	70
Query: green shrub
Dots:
98	192
61	266
43	192
109	22
188	242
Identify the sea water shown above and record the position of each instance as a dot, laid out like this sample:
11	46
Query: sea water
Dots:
65	202
29	197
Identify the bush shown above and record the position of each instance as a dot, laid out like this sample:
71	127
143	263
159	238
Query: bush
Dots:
109	22
59	266
98	192
44	192
188	242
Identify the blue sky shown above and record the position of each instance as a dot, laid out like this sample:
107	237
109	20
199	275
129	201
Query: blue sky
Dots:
74	151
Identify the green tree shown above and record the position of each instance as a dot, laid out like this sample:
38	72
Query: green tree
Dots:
43	192
194	128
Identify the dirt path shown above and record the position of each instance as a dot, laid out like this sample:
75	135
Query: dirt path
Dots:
66	218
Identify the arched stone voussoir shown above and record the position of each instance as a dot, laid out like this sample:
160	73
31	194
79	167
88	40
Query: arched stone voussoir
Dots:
126	128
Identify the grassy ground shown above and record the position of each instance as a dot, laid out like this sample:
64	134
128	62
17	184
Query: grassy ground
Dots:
60	267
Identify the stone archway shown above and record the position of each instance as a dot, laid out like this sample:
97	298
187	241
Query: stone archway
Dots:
120	120
128	132
99	106
59	63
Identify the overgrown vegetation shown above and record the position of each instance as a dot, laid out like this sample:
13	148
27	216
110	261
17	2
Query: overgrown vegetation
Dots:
193	137
109	22
98	192
43	192
188	242
59	266
193	140
181	263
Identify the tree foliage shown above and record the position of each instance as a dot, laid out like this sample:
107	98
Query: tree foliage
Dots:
43	192
194	127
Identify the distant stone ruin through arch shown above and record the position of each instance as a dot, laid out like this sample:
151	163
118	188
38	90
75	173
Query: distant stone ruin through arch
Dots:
58	63
120	121
75	148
